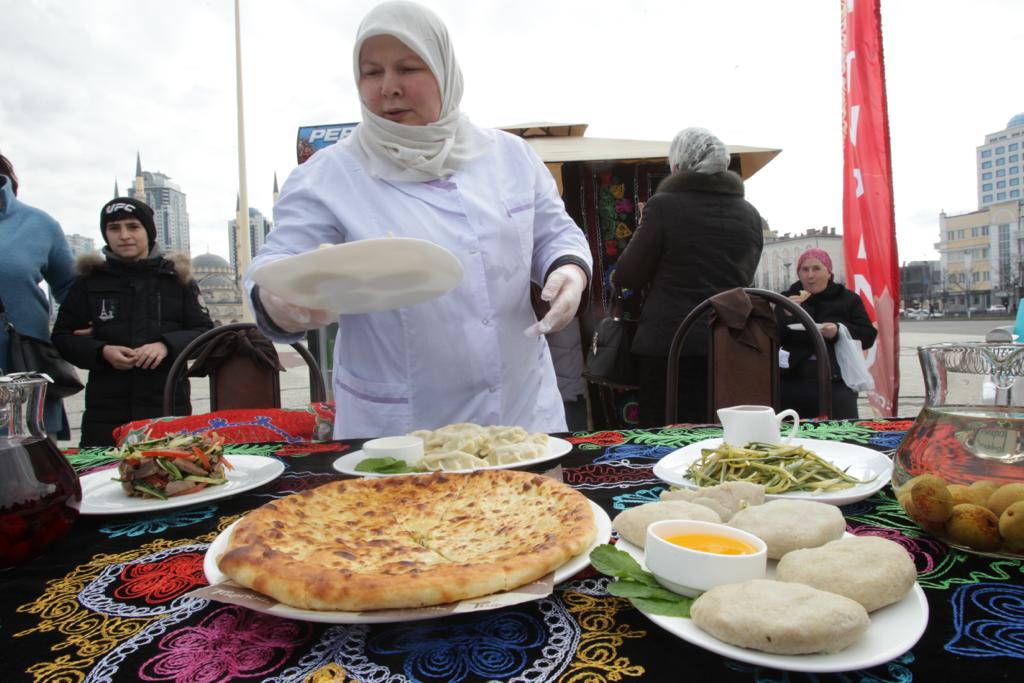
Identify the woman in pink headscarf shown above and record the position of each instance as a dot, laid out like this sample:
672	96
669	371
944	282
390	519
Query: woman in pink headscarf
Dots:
831	305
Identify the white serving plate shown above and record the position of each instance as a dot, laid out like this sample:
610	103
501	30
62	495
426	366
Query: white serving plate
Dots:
103	496
862	463
214	575
556	448
363	276
894	630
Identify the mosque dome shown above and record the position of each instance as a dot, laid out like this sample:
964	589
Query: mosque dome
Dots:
216	281
210	262
1016	121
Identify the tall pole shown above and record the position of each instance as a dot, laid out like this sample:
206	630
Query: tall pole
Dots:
243	239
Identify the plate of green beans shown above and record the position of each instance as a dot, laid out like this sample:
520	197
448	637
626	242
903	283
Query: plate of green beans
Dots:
808	469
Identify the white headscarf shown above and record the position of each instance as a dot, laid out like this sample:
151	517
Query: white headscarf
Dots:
697	149
395	151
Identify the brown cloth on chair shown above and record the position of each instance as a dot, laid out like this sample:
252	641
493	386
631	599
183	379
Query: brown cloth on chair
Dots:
744	351
249	342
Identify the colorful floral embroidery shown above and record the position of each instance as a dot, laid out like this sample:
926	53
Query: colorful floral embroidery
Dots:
633	452
638	497
229	642
988	621
159	524
159	582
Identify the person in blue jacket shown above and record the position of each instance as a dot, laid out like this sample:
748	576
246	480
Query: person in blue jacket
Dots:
32	249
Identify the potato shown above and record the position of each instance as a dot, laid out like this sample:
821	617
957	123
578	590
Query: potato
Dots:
974	526
908	484
931	499
1005	496
985	488
1011	526
965	494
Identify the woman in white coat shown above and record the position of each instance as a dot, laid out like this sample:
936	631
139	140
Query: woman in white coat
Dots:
417	167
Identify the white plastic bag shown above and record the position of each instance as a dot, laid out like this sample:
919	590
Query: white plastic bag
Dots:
852	365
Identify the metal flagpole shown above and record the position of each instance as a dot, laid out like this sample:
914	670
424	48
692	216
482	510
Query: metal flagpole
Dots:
243	240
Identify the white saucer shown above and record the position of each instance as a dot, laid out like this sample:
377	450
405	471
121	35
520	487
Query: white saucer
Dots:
364	276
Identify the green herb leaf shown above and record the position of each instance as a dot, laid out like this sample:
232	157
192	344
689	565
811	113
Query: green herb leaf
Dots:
665	608
636	585
383	466
611	561
627	588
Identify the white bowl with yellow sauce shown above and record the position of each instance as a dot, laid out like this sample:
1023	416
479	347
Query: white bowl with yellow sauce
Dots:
689	557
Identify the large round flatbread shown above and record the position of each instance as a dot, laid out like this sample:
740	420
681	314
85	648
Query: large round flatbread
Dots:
778	617
786	525
873	571
410	541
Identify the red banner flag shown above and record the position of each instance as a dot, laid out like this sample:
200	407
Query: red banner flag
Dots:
869	228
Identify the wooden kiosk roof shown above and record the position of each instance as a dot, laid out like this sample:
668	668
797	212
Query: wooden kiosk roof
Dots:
557	143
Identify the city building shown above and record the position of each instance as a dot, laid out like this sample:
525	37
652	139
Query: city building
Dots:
259	228
1001	164
221	293
80	244
982	257
919	282
777	268
169	207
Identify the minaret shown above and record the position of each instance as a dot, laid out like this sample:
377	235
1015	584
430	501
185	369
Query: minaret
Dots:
140	185
117	192
276	193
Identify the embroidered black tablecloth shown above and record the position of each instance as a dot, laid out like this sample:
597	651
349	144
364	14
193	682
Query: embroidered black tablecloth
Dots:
109	601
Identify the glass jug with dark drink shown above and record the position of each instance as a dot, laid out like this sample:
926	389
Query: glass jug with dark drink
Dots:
39	491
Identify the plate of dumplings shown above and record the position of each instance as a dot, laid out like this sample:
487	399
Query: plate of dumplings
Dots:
467	447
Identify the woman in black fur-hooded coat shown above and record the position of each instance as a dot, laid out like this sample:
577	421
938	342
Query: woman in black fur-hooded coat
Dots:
698	237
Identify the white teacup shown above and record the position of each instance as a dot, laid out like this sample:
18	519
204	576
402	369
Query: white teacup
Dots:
744	424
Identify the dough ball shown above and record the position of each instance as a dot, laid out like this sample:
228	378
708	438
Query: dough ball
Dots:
780	618
873	571
726	499
787	525
632	523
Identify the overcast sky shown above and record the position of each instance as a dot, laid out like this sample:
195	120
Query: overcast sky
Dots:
86	83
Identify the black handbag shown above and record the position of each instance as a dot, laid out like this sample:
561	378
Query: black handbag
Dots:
609	361
29	354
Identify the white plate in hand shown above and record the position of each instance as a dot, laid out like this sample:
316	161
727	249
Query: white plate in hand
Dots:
556	448
363	276
894	629
101	495
220	545
870	466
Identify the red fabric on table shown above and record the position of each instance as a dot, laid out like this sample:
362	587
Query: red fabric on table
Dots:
315	422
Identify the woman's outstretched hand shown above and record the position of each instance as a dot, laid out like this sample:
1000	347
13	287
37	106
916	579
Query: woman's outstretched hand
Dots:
291	317
563	290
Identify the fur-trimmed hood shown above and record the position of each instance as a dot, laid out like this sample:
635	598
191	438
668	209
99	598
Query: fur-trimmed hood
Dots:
90	263
725	182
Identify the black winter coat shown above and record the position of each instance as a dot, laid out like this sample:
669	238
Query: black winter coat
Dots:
698	237
128	304
836	304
